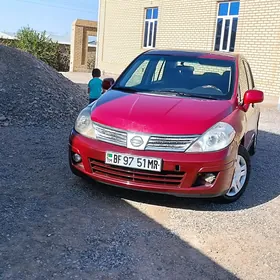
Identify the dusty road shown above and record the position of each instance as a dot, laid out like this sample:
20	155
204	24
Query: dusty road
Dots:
56	226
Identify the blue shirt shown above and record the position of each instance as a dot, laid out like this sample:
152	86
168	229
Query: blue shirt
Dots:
95	88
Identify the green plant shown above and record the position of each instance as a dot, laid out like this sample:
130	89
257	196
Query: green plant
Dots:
39	45
7	42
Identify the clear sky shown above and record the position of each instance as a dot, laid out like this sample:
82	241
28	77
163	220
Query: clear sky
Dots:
51	15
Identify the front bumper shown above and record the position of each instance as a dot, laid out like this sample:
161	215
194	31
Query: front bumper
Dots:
180	175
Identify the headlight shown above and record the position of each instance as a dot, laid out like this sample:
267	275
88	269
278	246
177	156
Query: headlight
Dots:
84	124
216	138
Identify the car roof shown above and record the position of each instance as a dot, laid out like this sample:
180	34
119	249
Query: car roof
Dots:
204	54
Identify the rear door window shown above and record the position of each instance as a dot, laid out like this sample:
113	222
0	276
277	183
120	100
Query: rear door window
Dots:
249	75
243	81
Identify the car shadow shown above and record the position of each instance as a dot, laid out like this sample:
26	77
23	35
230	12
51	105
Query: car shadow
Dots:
263	187
57	226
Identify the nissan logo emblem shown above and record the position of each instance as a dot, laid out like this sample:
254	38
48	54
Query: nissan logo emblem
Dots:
137	141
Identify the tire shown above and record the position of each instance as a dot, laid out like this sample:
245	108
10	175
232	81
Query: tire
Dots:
236	190
253	148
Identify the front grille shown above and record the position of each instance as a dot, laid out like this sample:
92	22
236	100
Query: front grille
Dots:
170	143
165	143
110	135
163	178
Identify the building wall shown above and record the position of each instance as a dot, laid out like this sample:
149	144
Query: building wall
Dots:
258	38
81	30
189	24
91	58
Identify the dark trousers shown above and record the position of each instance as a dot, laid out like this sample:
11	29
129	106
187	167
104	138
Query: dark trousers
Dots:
92	100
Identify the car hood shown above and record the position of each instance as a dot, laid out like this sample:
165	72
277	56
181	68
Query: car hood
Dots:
159	114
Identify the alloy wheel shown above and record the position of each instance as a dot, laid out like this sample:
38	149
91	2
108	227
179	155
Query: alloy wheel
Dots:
239	177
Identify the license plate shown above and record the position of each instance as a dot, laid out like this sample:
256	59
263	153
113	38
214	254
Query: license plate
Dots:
144	163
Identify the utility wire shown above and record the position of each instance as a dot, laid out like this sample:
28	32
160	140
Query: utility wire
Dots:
79	4
55	6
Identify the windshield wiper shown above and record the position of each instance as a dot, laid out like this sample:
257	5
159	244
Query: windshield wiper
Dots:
168	91
186	94
196	96
127	89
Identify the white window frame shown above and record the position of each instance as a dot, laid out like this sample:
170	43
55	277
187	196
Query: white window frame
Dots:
152	20
225	18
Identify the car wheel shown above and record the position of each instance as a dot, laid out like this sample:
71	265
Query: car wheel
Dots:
240	178
253	148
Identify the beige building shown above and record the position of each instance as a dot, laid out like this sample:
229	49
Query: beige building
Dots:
82	54
252	27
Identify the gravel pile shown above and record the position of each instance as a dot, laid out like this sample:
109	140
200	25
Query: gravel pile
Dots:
34	94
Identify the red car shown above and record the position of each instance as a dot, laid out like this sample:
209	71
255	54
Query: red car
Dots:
176	122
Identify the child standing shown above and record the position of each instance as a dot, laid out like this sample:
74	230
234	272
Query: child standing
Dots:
95	85
107	83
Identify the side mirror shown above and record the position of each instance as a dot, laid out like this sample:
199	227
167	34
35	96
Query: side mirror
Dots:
253	96
107	83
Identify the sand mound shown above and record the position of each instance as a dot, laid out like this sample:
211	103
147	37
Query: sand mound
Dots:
34	94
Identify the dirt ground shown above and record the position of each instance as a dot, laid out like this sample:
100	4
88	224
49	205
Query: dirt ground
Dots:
54	225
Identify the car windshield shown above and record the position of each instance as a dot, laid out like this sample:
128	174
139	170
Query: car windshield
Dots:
185	76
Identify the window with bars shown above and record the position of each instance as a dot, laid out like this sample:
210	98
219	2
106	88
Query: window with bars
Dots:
226	28
150	30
